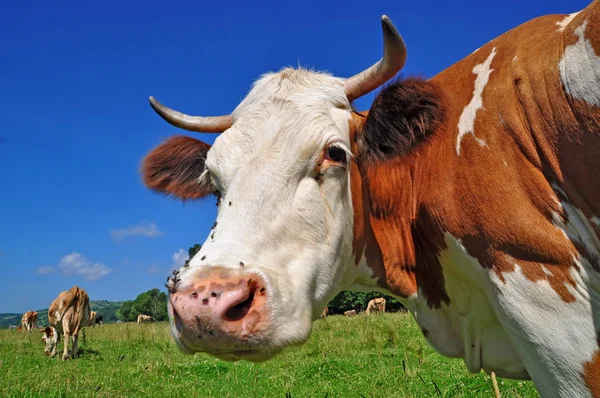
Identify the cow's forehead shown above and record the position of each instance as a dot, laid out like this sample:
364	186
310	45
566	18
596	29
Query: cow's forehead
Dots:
289	114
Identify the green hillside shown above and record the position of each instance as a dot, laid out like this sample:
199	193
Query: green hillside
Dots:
107	309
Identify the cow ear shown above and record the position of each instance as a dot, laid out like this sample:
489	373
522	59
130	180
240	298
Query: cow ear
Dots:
176	168
404	114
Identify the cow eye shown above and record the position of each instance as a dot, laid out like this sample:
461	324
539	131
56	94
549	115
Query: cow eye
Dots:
336	154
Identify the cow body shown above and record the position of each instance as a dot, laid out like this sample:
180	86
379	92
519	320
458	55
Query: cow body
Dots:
92	321
377	305
143	319
67	315
350	313
471	197
28	321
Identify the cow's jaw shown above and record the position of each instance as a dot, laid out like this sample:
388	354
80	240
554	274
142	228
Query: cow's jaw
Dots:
282	241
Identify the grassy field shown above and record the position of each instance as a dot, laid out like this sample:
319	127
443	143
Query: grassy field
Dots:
364	356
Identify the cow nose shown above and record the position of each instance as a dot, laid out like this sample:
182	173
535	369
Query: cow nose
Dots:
219	311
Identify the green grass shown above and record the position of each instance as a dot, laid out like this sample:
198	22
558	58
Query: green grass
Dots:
368	356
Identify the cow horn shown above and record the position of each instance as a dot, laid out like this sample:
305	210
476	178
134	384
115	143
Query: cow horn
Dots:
394	57
211	124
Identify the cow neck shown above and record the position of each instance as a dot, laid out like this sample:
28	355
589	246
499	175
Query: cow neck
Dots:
393	232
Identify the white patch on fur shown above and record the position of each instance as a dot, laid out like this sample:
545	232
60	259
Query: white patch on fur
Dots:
554	338
562	24
466	123
470	326
514	59
580	69
576	226
477	49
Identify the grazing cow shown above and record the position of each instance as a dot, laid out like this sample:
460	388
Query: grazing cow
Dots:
350	313
92	321
13	327
472	197
377	305
143	319
325	312
99	320
28	321
67	315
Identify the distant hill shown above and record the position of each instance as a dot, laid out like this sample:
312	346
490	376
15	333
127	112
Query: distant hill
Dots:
108	309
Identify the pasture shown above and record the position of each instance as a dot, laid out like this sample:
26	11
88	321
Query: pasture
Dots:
363	356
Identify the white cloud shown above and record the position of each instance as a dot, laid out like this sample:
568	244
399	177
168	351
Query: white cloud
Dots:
179	258
78	265
45	270
145	228
154	269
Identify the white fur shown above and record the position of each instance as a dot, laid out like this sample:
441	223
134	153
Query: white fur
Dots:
580	69
562	24
554	338
466	123
283	224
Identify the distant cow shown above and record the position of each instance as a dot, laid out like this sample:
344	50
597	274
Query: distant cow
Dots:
28	321
67	314
99	319
350	313
377	305
92	321
12	327
143	318
325	312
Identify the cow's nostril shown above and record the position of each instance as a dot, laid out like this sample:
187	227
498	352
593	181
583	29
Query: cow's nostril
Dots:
240	310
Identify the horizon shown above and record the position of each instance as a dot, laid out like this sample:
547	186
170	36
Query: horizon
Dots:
76	118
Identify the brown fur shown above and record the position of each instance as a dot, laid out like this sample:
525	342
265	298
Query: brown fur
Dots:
174	168
377	305
69	313
28	321
143	319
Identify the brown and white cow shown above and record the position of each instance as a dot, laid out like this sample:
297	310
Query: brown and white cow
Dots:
377	305
143	319
92	321
325	312
28	321
350	313
472	197
67	315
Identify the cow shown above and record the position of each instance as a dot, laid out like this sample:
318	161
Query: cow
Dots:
92	321
377	305
67	315
350	313
143	319
13	327
325	312
99	320
470	196
28	321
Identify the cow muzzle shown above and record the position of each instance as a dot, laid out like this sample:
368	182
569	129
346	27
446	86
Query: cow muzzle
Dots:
221	312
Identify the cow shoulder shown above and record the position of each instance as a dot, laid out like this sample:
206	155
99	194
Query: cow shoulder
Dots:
404	114
176	168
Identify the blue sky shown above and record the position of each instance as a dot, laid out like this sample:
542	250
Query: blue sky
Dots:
75	120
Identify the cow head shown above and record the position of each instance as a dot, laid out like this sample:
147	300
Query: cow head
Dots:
281	246
50	339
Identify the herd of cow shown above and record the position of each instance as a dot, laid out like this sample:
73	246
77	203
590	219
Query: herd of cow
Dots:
67	315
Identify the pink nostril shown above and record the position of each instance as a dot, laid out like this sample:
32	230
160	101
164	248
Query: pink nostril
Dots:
235	304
